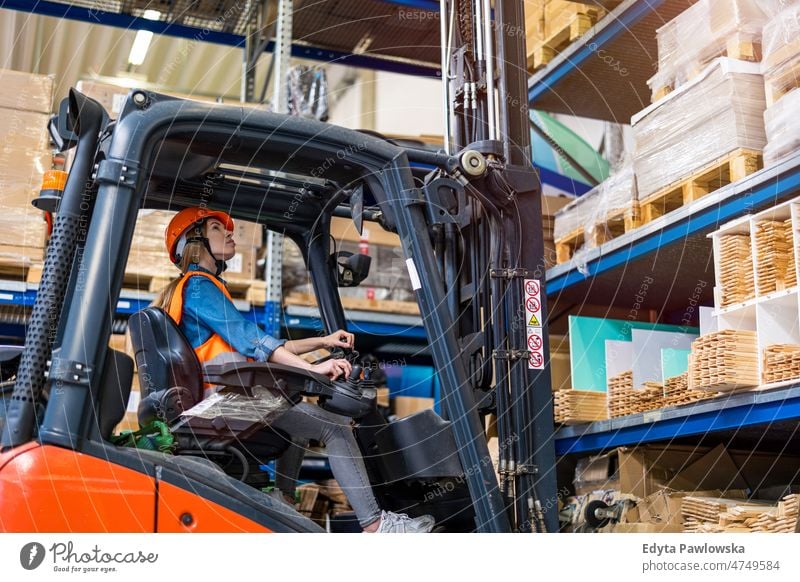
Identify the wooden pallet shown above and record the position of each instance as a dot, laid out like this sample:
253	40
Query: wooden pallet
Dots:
616	223
737	47
357	304
253	291
583	19
705	180
26	272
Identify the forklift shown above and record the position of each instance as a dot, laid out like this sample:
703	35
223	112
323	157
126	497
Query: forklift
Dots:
469	221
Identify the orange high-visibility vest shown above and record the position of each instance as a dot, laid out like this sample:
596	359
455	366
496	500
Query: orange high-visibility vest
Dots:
214	345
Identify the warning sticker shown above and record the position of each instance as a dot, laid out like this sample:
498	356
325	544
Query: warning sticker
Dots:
533	322
535	348
533	303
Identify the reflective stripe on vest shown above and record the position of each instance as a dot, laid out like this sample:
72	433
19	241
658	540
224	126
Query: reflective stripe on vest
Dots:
214	345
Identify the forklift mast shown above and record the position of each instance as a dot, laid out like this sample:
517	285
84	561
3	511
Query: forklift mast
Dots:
468	219
500	249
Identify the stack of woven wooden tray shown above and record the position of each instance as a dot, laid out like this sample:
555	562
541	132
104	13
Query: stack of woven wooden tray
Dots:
776	268
718	515
676	391
736	269
577	406
724	361
781	362
621	397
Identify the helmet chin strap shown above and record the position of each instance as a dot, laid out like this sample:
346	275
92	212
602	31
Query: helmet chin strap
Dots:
220	264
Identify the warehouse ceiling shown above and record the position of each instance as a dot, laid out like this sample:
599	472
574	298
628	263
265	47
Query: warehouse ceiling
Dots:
73	50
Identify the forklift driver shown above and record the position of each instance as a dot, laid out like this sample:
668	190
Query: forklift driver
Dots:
199	241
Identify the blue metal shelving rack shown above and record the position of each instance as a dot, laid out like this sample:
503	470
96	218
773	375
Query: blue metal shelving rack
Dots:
580	81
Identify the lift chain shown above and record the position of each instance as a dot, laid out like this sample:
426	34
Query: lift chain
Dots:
511	273
510	354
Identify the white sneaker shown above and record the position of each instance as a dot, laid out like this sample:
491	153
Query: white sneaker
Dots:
400	523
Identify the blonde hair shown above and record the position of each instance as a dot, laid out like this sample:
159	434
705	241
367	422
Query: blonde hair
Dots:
193	253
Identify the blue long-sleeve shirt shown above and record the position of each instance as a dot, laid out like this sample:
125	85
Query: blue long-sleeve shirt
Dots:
206	311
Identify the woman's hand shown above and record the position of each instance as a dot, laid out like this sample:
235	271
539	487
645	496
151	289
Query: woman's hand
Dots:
333	368
339	339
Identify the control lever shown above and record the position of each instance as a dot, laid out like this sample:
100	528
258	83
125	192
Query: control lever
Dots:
355	374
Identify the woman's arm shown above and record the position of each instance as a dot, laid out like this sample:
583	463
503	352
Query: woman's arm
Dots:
330	368
338	339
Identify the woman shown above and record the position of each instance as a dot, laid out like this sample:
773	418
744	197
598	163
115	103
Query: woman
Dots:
199	242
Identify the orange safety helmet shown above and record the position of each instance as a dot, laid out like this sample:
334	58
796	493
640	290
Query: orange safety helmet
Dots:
186	219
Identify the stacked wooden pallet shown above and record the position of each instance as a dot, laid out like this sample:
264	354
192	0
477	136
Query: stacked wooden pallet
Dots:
553	24
781	362
621	397
576	406
736	269
723	361
774	256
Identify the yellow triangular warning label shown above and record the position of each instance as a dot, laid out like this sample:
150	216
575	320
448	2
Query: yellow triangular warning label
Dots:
534	321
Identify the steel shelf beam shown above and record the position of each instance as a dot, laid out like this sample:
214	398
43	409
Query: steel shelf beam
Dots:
749	409
764	188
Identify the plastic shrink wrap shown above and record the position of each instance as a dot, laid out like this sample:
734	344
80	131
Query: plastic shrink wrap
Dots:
704	31
782	124
718	112
781	45
614	197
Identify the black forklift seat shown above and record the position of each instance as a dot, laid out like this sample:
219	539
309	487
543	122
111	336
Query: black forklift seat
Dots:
171	381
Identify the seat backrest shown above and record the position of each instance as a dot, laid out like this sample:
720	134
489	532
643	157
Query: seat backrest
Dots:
164	357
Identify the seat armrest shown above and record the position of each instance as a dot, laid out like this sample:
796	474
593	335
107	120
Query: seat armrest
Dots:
288	380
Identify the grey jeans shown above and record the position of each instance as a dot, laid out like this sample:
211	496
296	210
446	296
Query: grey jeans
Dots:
306	421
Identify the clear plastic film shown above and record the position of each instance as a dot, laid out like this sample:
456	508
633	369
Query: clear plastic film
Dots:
613	197
308	92
264	406
719	111
780	63
708	29
782	124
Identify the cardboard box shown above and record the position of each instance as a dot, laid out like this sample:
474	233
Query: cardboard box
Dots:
404	406
148	255
647	469
662	507
596	473
24	151
343	229
26	91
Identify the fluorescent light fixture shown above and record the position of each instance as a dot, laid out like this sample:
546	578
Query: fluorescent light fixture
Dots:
141	43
